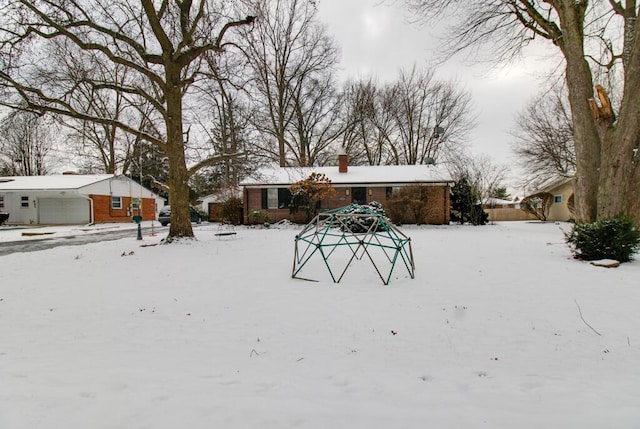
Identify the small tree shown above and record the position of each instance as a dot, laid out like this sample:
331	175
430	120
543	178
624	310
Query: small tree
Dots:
231	210
500	192
465	204
306	194
538	205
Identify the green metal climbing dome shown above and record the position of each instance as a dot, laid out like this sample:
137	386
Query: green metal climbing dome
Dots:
352	233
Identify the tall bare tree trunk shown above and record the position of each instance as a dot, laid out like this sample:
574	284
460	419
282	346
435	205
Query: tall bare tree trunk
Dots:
580	89
620	185
180	225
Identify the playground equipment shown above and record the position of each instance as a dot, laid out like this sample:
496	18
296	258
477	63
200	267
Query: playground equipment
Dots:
347	234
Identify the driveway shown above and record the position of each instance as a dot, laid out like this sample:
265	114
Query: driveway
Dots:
12	239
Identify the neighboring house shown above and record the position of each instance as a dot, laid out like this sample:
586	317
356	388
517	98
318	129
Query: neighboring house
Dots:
268	188
212	203
75	199
562	192
500	210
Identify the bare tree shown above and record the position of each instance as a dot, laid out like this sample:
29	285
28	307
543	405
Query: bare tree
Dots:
431	117
25	142
100	147
544	139
593	37
292	57
226	118
484	176
414	120
316	124
161	45
538	205
369	124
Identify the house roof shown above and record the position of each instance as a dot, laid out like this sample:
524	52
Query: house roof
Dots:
498	201
550	184
222	195
387	174
58	181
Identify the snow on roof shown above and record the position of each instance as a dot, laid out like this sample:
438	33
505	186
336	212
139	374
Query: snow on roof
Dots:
222	195
550	184
57	181
389	174
498	201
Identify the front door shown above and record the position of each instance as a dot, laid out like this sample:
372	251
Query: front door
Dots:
359	195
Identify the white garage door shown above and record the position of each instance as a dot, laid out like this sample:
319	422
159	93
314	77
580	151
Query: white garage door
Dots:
63	210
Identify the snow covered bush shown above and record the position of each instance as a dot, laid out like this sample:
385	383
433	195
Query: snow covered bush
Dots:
367	214
615	238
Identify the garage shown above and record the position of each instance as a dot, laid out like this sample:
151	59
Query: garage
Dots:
63	211
75	199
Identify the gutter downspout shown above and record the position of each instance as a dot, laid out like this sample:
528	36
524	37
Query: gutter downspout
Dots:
91	215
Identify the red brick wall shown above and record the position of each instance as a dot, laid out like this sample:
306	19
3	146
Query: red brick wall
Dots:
103	212
437	195
253	201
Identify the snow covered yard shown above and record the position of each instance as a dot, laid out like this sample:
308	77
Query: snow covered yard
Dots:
215	334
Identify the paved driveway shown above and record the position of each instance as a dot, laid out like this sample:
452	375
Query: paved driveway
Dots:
69	239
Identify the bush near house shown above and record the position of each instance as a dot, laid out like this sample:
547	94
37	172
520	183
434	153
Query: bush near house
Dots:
538	205
408	205
363	223
258	217
231	211
615	238
307	194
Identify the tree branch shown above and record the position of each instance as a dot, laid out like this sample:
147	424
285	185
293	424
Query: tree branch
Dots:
189	55
66	109
212	161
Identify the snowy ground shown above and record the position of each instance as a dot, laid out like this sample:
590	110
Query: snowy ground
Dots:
216	334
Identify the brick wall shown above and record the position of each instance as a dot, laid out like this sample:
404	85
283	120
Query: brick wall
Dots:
103	212
437	195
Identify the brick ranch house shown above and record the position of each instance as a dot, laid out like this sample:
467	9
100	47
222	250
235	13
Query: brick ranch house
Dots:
267	189
75	199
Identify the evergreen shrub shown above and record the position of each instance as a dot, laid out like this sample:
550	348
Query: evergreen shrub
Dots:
615	238
258	217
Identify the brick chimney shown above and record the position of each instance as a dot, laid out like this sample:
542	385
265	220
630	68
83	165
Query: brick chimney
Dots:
343	161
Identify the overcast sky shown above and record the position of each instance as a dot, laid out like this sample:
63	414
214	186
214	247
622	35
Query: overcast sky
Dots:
377	39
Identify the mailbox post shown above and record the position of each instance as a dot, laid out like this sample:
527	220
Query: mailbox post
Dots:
137	219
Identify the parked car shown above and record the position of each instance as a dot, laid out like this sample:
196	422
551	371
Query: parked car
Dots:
164	217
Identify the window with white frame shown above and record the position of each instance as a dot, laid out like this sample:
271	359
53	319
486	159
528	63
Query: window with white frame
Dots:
557	199
135	203
272	198
1	203
116	202
276	198
24	202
